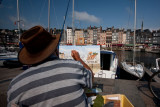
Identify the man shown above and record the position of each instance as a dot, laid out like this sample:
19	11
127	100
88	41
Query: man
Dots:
50	82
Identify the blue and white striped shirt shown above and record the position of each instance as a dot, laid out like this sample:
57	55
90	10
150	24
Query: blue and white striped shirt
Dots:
51	84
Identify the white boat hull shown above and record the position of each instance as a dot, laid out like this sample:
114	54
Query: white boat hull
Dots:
108	73
136	70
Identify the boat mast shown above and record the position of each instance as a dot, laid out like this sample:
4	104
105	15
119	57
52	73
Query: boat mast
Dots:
64	33
48	15
73	42
18	20
134	34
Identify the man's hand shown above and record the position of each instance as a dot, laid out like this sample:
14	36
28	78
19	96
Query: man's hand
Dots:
75	55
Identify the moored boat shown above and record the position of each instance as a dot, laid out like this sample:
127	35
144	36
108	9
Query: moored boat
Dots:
108	65
132	71
155	69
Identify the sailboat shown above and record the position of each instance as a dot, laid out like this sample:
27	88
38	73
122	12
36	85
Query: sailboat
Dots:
10	58
132	68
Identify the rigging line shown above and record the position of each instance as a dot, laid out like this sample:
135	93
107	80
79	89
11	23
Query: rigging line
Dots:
79	22
41	11
78	18
129	13
22	19
64	23
31	4
56	15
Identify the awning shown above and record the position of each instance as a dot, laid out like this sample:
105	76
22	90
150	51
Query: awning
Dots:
120	45
128	44
150	44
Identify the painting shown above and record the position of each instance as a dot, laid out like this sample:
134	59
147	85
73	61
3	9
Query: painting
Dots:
89	54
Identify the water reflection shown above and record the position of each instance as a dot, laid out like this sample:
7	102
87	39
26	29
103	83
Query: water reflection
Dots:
147	58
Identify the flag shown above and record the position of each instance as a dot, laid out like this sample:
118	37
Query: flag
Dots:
15	23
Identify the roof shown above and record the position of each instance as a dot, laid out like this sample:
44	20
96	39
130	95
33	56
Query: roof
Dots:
69	27
106	52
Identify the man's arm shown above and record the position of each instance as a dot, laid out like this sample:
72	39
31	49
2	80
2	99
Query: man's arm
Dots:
76	57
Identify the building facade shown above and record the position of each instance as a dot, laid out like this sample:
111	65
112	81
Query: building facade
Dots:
120	36
156	37
69	36
115	35
124	38
79	36
103	38
90	36
108	37
95	31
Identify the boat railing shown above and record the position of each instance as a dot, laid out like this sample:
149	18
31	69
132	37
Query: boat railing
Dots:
101	73
157	63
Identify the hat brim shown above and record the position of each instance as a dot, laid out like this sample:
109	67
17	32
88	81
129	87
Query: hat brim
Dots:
30	59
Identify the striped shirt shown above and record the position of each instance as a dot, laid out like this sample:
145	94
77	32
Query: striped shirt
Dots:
57	83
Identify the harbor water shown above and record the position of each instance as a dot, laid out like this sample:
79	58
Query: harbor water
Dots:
149	59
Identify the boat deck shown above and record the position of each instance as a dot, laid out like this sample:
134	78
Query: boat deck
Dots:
136	91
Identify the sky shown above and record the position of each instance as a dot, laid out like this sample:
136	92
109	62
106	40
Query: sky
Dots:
105	13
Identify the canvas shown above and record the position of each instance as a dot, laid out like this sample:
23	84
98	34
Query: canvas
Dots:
89	54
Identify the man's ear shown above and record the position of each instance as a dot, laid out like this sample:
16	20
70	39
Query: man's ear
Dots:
56	52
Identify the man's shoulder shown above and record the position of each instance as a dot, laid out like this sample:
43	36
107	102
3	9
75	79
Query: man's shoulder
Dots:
61	62
67	61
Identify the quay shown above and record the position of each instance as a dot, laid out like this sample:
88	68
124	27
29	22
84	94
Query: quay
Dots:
136	91
148	50
149	73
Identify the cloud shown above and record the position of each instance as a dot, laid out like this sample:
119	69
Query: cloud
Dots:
152	28
129	10
84	16
12	18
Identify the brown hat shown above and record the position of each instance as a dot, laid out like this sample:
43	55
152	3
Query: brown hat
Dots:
38	45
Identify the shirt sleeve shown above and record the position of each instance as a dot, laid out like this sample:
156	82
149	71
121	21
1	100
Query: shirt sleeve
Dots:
87	74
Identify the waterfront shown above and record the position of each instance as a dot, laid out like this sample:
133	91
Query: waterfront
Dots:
136	91
147	58
131	89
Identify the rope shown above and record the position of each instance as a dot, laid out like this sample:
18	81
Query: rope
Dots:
55	15
130	9
63	23
41	11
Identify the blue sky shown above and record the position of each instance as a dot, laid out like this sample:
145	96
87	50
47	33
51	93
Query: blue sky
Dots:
105	13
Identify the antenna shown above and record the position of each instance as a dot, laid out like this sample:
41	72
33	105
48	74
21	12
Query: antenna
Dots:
18	20
74	42
134	35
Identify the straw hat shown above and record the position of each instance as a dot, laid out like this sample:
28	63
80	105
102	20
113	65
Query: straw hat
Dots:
38	45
